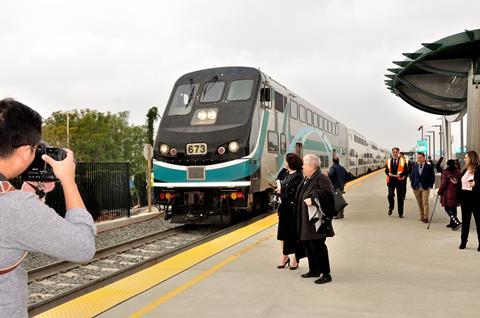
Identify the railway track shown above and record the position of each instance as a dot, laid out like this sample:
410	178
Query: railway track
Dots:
59	282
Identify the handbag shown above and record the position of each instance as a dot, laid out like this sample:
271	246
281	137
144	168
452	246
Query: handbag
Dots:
340	202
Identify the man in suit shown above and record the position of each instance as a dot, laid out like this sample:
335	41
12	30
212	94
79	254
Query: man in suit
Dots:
423	178
396	170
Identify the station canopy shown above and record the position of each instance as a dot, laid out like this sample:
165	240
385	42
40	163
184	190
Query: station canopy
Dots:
435	78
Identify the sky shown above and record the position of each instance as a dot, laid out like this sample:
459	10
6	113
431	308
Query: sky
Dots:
126	55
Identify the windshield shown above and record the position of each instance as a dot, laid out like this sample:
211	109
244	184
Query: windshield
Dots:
212	92
183	99
240	90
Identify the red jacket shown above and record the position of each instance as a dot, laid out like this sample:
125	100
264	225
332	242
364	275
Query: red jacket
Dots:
448	188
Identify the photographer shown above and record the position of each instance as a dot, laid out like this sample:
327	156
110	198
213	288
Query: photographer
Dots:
26	223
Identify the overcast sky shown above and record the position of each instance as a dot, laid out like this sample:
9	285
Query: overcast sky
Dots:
126	55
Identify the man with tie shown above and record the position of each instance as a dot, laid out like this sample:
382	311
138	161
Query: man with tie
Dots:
423	178
396	170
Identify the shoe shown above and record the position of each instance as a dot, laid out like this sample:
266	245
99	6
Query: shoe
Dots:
390	211
292	268
326	278
425	220
462	245
400	216
478	248
339	216
285	264
456	227
309	274
449	225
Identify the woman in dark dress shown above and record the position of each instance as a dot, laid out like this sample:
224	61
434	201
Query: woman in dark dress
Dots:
287	220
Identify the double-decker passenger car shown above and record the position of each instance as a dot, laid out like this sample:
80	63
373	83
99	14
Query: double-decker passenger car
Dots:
224	136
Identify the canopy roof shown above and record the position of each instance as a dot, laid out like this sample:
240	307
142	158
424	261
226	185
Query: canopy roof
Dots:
435	78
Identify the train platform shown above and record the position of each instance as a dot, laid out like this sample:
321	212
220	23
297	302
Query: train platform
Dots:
382	266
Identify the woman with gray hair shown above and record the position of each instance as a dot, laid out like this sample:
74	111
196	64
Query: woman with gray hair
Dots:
316	189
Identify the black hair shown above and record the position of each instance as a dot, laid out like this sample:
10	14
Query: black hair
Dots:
395	148
336	160
294	161
452	165
19	126
421	154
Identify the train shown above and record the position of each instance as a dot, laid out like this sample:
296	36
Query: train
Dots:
223	138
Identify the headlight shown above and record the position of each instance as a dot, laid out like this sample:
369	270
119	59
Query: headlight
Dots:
164	149
233	146
202	115
212	114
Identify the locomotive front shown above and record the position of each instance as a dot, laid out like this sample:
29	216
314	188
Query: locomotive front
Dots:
202	167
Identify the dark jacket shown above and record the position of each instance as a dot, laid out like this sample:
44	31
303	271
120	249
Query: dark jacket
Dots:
287	222
317	186
448	188
337	175
470	198
426	179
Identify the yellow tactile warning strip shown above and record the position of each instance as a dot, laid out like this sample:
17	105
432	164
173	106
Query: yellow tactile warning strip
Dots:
100	300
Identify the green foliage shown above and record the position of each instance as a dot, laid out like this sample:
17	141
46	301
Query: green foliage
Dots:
152	116
98	137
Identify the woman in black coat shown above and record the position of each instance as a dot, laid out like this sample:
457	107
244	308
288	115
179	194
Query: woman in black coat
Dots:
469	192
287	220
315	186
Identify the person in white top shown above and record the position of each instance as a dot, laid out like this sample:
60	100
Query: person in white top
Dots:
469	194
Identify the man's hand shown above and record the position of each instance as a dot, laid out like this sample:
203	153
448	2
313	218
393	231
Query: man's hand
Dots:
64	170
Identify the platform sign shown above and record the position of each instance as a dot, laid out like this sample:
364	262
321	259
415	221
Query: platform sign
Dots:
422	146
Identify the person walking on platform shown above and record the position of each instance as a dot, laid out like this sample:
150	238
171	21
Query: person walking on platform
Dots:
469	196
448	191
316	187
338	175
396	170
290	179
423	178
28	224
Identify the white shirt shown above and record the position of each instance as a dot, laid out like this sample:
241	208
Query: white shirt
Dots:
466	177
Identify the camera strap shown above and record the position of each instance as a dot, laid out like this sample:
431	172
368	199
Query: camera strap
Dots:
5	187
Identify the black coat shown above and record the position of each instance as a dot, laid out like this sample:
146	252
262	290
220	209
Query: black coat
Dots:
318	186
337	175
287	220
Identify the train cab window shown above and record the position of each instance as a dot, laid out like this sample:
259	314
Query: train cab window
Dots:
315	120
325	127
301	116
183	98
283	143
309	117
240	90
279	102
212	92
272	140
293	110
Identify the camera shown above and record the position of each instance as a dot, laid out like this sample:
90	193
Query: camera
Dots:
39	170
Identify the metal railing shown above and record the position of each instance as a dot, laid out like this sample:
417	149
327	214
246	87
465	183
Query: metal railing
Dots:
104	188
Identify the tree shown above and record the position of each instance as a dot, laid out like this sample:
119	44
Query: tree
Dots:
152	117
98	137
